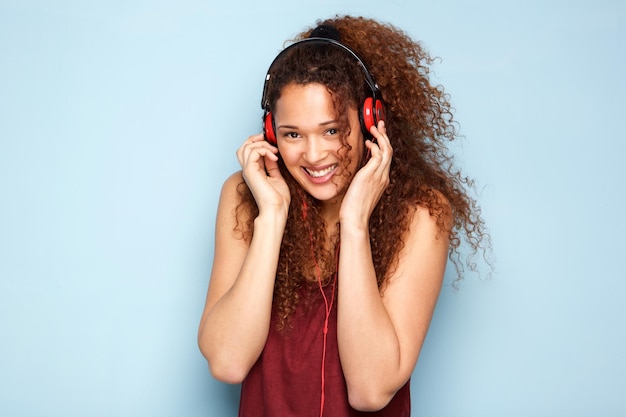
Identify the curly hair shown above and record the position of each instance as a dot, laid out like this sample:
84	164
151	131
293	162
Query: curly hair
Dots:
419	122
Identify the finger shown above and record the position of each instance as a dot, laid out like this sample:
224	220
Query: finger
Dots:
255	158
381	151
383	142
380	133
271	166
251	140
375	147
255	143
256	138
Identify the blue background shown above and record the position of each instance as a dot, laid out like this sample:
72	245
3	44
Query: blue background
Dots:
119	120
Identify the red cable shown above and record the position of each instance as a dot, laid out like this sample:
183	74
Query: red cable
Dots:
328	308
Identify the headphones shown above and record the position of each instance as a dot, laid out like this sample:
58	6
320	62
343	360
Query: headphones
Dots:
371	112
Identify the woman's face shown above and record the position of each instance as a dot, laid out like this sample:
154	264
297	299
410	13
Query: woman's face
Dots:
309	140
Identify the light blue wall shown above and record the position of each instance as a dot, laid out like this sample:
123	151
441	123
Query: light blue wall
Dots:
118	123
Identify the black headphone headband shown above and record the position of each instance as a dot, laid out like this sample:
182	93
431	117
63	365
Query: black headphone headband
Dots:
316	40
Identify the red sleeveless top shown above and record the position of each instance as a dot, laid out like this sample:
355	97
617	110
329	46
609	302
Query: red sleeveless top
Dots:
286	381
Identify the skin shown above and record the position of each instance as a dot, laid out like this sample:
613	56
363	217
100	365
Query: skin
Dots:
310	146
379	334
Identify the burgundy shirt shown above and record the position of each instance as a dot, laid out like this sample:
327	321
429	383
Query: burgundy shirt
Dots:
286	381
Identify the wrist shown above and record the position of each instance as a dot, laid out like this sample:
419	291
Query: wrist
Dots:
271	218
354	229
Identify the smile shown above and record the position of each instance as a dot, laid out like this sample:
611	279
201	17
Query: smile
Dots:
320	173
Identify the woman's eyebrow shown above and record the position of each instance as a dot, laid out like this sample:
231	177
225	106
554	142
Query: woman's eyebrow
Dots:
330	122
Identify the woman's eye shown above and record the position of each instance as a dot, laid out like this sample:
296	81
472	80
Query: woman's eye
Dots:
292	135
332	131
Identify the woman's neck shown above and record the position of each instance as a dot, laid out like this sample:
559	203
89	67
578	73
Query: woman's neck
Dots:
330	214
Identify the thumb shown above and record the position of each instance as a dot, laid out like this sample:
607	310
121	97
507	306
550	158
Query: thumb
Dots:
271	166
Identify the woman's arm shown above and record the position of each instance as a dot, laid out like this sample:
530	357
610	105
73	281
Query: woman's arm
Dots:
235	321
380	337
236	317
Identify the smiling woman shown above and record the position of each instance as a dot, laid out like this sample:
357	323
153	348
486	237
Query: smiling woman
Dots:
309	142
332	240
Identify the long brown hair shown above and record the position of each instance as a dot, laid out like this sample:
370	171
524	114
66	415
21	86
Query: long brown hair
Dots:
419	123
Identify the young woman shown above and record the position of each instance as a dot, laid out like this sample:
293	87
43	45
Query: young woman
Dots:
332	241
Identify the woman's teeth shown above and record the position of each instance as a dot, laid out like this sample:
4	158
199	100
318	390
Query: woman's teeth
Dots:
318	174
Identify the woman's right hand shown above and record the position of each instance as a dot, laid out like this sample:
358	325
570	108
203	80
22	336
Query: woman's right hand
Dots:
259	163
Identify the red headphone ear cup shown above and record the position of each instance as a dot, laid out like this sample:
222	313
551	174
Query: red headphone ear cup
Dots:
372	113
268	128
379	111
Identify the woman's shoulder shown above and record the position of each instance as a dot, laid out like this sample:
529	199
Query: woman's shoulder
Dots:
230	195
231	185
233	180
436	211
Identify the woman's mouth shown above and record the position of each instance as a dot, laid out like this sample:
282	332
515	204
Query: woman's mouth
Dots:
320	174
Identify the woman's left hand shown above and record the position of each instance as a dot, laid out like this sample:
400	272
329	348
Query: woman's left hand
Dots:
369	182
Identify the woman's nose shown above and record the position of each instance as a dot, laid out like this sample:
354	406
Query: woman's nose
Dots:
315	150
